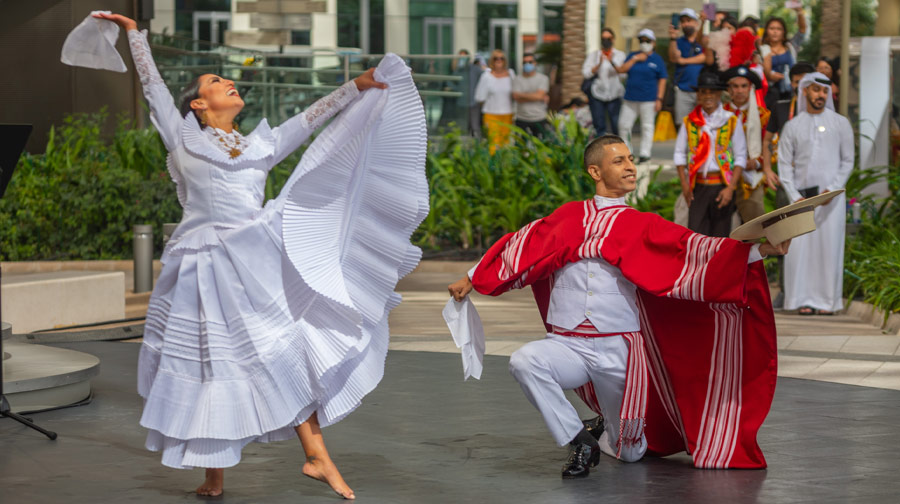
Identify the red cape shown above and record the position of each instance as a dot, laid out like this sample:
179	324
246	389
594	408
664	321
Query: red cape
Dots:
706	318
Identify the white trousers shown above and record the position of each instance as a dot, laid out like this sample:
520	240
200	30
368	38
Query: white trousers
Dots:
685	101
629	114
547	367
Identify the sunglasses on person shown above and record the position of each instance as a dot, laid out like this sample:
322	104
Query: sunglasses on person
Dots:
498	58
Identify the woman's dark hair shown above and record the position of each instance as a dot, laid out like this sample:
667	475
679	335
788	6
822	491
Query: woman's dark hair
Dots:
834	63
188	94
608	30
765	37
801	67
732	21
750	22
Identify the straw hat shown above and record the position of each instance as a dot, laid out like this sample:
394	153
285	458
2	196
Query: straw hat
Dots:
785	223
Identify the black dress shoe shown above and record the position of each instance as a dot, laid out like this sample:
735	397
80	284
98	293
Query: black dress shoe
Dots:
643	159
595	426
582	457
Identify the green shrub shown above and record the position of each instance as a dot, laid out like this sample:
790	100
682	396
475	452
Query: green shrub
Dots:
872	255
80	198
477	197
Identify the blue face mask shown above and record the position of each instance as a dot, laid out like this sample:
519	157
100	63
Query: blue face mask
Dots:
528	67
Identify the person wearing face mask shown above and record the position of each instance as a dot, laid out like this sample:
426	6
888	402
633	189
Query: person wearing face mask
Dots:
529	91
644	92
686	52
606	88
816	156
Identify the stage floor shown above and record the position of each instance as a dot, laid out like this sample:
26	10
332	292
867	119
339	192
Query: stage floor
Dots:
425	436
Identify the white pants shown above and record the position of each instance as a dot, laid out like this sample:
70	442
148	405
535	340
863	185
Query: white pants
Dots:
685	101
629	114
547	367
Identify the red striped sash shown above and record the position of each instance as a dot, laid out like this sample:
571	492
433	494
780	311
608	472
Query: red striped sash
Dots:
634	402
584	330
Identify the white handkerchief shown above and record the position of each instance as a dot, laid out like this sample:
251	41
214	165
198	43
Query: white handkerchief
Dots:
468	334
752	177
92	44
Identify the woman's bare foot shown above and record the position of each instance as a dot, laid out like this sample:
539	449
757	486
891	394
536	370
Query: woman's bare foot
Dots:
324	470
212	487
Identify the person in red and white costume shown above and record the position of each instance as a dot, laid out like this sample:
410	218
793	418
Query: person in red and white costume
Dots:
667	333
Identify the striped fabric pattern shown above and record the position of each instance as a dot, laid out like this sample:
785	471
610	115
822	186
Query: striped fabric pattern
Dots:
700	250
597	223
722	410
584	330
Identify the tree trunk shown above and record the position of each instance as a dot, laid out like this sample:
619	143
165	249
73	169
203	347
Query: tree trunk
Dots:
831	28
573	48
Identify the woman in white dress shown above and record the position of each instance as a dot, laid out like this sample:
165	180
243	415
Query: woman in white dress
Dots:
269	322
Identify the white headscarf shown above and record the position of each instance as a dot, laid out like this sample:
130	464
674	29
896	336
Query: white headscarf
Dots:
814	78
92	44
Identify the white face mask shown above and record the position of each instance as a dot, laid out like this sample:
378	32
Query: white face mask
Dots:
646	47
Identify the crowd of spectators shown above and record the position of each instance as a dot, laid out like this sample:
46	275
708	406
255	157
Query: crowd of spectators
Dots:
624	89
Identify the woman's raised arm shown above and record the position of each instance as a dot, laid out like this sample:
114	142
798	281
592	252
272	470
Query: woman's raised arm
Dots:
293	132
163	112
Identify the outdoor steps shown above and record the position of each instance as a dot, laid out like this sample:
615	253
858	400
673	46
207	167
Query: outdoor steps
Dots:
35	301
136	304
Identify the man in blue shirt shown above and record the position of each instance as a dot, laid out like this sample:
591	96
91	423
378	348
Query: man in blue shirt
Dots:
687	54
644	91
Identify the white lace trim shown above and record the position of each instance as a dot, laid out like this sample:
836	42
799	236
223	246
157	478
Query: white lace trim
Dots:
327	106
143	59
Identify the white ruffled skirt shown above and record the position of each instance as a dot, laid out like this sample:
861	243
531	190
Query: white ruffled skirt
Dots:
249	334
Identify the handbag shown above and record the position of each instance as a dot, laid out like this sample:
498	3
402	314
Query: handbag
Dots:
586	85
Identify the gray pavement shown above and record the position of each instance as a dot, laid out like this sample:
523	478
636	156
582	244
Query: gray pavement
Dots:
838	349
425	436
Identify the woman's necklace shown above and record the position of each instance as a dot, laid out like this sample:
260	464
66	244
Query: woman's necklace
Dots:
233	144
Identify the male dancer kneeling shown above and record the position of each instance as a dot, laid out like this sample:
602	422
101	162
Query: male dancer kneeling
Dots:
628	297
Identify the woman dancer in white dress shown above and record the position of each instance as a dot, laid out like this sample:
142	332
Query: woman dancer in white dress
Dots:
270	321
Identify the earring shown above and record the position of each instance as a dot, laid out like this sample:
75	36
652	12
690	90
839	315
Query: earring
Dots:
203	118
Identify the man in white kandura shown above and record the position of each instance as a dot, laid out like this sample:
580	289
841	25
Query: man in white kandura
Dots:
815	155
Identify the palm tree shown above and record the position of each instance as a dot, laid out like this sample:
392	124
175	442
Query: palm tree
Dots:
831	28
573	48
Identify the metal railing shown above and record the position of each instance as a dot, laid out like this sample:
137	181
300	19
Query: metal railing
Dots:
279	85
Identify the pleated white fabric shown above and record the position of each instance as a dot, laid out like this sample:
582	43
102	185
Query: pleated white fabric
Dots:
253	327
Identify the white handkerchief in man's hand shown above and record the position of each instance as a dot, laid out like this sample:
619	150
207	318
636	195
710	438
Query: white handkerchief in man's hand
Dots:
468	334
92	44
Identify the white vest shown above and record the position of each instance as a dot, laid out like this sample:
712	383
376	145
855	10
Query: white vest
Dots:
595	290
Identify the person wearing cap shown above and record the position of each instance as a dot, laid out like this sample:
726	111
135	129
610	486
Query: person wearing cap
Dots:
710	154
742	84
628	299
815	156
606	88
686	52
644	92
